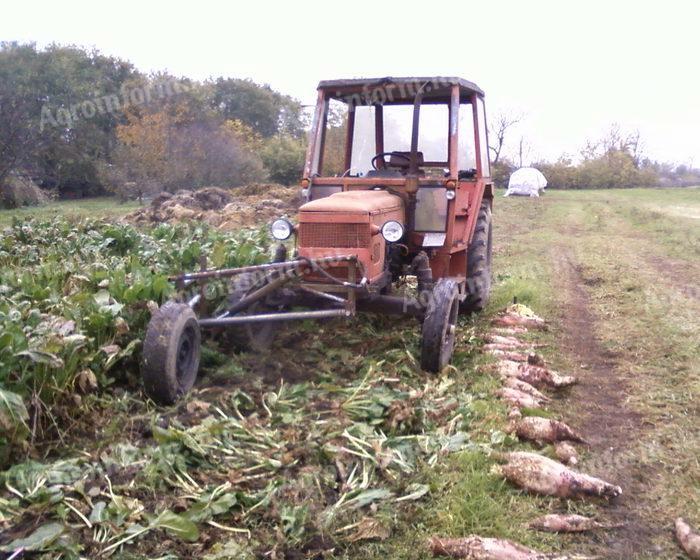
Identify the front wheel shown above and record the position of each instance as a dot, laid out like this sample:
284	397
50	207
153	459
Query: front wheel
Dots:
440	326
171	351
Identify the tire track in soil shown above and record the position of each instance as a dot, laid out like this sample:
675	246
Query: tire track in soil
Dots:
598	410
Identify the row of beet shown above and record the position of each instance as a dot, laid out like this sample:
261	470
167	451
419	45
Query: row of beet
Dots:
525	377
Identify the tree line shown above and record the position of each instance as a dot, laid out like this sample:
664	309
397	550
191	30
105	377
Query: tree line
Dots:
614	161
80	123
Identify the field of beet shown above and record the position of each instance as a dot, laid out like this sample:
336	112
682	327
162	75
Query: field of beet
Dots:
580	403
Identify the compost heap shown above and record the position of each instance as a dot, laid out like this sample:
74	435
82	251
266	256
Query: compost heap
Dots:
227	209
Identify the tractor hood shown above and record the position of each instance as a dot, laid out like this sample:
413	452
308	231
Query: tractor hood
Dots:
356	202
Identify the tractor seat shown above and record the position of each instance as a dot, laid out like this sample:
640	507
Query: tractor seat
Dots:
397	161
384	173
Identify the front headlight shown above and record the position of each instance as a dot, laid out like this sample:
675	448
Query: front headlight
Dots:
392	231
281	229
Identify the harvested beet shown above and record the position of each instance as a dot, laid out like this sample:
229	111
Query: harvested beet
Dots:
503	347
534	428
515	383
510	331
509	340
507	354
560	523
689	540
518	398
566	453
481	548
511	320
535	375
542	475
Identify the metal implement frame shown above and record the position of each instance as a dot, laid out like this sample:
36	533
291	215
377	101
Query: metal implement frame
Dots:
278	275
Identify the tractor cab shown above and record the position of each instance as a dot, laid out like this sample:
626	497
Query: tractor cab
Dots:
421	140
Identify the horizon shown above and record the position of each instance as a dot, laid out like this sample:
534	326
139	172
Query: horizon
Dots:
592	69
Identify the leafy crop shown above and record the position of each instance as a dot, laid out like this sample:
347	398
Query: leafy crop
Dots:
244	467
73	304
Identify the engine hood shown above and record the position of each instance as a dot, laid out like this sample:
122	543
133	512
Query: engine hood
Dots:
361	202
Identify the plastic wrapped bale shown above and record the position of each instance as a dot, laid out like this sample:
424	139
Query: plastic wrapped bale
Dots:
526	181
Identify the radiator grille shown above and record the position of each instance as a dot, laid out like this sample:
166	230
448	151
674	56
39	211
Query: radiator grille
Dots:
334	235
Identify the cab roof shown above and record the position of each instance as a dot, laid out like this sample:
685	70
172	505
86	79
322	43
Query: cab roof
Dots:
437	88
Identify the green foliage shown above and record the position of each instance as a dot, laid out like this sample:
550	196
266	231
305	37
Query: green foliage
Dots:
61	108
265	110
72	300
613	170
42	119
283	157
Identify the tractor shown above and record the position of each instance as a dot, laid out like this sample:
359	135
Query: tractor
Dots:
395	219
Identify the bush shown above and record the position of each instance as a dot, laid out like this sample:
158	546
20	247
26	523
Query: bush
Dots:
616	169
166	151
18	191
501	172
283	157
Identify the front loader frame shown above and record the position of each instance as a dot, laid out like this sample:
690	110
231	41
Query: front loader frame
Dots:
280	277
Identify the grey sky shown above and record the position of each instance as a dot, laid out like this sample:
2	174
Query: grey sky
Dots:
573	68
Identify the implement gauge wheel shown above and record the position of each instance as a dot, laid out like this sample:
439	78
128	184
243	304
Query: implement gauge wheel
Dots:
171	352
440	326
252	337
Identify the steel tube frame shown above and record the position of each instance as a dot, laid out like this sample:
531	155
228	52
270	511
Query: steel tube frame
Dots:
273	317
224	272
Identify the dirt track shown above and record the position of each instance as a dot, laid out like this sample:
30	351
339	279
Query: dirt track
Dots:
597	406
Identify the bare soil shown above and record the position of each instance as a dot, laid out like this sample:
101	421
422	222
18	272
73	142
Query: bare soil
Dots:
597	408
227	209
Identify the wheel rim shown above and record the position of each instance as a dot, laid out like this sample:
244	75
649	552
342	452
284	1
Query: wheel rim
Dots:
450	333
185	355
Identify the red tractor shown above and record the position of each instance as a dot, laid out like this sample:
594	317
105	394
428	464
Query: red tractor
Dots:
396	184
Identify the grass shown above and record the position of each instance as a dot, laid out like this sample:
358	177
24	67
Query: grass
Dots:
637	252
98	207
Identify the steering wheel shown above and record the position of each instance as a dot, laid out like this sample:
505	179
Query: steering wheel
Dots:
384	154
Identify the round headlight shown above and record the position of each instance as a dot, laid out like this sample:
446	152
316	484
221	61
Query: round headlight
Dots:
281	229
392	231
450	194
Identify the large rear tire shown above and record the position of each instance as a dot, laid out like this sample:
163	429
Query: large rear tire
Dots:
440	326
479	263
171	351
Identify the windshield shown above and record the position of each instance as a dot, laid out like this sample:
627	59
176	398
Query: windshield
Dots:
398	122
395	121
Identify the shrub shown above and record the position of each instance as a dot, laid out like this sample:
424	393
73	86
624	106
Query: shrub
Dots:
283	157
20	191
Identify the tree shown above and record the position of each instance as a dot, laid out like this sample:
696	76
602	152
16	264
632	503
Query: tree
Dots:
173	148
20	100
498	132
265	110
53	125
283	157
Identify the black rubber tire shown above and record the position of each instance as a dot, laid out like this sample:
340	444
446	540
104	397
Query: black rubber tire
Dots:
479	263
171	352
257	337
439	326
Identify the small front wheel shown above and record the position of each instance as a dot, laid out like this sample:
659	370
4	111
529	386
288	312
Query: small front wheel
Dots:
440	326
171	351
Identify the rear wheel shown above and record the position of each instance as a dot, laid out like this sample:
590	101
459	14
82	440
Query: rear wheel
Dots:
440	326
171	351
479	263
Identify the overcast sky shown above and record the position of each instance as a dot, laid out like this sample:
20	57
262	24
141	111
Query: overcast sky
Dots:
573	68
